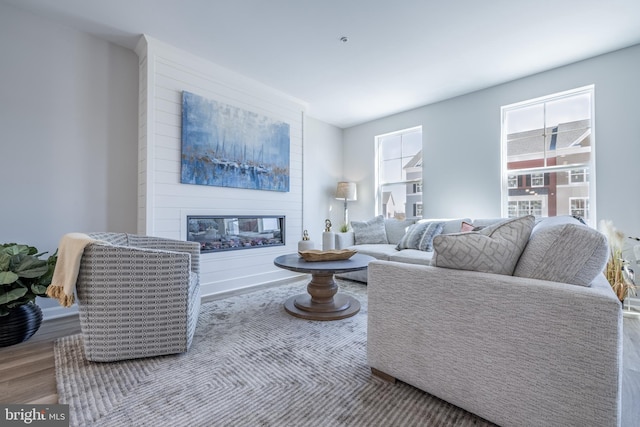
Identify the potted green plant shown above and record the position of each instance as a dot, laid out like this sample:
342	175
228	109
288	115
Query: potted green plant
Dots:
23	277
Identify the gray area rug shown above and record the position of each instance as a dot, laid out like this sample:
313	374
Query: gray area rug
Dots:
251	364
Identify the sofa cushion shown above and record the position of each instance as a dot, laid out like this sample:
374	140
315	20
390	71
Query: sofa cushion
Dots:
494	249
396	228
370	232
412	256
377	251
420	236
567	253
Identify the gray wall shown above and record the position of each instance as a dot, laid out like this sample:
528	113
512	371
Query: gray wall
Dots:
68	132
461	142
322	169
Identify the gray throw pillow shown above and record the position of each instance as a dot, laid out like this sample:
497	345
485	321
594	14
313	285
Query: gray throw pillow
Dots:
566	253
370	232
495	249
420	236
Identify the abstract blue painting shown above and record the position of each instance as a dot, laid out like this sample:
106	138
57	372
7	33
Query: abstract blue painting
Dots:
226	146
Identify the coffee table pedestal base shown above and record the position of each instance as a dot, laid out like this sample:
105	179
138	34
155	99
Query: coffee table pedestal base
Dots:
322	302
343	306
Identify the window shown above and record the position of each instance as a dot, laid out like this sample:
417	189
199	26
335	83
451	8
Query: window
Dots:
578	176
399	174
548	156
537	180
579	207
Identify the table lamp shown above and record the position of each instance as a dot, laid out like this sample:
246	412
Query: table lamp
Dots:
346	191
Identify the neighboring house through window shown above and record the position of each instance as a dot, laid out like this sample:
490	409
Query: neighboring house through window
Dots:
399	174
548	156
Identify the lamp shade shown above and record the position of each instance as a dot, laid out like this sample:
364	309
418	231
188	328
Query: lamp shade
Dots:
346	191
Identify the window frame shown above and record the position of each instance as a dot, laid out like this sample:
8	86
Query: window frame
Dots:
379	185
588	167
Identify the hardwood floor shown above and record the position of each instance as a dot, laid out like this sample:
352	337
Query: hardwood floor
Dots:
27	370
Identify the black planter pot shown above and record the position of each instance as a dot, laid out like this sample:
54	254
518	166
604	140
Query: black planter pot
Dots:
20	324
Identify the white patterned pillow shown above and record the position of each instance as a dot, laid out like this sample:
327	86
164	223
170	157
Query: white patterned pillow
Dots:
370	232
420	236
494	249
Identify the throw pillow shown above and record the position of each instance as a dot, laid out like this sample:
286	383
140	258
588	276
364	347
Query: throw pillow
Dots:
420	236
566	253
370	232
426	242
466	227
494	249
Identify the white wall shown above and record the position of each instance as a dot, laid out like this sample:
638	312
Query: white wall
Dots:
322	171
164	203
68	126
461	142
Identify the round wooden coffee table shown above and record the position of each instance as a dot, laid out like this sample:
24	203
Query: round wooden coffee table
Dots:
322	302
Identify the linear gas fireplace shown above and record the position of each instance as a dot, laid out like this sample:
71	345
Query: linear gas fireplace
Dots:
227	233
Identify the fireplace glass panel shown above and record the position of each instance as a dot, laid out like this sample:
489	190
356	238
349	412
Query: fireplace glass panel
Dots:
225	233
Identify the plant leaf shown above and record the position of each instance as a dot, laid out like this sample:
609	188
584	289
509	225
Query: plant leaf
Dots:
12	295
17	250
39	290
31	267
7	277
5	259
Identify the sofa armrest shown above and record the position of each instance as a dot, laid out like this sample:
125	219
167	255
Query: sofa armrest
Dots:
475	339
344	240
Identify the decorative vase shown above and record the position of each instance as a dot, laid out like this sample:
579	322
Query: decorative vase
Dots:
20	324
328	240
305	244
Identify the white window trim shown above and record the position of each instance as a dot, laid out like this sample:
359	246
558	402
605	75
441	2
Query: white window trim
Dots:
378	184
592	160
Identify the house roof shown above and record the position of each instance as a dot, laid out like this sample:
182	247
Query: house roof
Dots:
415	162
533	143
386	197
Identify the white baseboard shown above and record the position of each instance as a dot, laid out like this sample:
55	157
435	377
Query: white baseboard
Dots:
57	312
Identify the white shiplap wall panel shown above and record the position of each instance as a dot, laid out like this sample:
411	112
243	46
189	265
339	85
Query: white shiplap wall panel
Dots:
164	202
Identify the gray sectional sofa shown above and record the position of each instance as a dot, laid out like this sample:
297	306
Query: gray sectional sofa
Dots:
522	329
384	246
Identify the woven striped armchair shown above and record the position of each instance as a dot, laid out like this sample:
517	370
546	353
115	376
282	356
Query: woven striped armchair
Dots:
138	297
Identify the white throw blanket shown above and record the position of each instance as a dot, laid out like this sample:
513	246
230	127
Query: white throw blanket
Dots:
65	274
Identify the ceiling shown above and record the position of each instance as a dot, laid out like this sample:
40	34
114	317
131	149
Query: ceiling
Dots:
399	55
